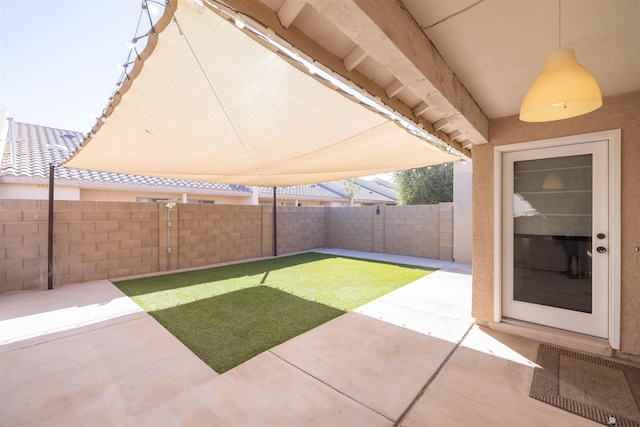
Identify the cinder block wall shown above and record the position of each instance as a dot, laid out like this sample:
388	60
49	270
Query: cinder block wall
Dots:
424	231
101	240
92	240
23	244
413	231
350	228
300	229
267	230
445	231
97	240
210	234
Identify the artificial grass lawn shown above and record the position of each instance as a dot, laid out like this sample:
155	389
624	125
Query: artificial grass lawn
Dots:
227	315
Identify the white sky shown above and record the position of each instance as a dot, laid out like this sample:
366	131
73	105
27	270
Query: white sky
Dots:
58	59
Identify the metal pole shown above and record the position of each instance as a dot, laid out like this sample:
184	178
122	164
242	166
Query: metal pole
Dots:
275	225
52	169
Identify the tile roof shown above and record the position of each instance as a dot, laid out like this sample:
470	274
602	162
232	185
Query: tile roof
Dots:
380	186
368	192
308	191
363	195
37	146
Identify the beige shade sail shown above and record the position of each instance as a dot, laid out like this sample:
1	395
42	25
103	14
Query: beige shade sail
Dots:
212	103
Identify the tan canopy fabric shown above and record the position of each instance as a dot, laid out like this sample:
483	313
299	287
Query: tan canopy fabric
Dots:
210	103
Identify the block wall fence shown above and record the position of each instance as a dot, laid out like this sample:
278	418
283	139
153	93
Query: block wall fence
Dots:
105	240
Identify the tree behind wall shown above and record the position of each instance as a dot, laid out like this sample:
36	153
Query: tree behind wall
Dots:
425	186
351	188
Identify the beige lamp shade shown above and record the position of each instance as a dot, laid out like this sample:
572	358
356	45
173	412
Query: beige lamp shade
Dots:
553	182
562	90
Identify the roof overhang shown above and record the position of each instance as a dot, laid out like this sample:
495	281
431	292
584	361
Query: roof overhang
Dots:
211	102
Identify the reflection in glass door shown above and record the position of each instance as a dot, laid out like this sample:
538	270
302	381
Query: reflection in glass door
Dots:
552	232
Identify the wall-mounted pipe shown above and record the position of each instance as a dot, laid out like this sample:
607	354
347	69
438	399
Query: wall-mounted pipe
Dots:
169	207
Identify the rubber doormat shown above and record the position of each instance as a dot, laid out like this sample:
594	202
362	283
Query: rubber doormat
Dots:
593	387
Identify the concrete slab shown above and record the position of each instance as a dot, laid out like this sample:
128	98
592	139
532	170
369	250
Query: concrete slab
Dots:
437	305
268	391
441	292
87	355
426	323
486	383
96	376
31	314
378	364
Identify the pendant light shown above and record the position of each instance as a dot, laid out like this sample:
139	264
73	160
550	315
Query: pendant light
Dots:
563	89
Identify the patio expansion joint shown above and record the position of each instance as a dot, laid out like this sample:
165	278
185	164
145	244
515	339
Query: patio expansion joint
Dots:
329	385
433	377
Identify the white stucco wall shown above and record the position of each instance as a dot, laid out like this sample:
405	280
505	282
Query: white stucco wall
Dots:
462	220
63	191
37	191
131	196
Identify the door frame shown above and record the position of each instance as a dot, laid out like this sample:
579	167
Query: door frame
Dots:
613	138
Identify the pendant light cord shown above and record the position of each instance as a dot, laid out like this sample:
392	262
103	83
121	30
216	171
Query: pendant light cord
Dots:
559	24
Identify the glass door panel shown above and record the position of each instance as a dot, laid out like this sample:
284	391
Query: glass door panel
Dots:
552	223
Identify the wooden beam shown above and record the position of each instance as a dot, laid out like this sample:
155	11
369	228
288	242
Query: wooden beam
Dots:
289	10
441	124
421	108
385	31
455	135
394	88
354	57
304	43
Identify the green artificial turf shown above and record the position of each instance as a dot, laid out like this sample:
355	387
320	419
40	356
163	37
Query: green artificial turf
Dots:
227	315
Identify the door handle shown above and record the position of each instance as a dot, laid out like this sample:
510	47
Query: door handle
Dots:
601	249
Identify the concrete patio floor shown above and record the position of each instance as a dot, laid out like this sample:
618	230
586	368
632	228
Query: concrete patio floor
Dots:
87	355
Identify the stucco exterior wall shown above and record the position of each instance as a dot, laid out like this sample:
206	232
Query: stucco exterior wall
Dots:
618	112
38	189
462	215
37	192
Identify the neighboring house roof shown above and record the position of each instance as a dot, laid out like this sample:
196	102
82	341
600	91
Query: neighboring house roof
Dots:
364	193
368	192
30	149
381	186
303	192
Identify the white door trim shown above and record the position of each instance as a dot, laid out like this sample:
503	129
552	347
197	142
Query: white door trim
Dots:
614	141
